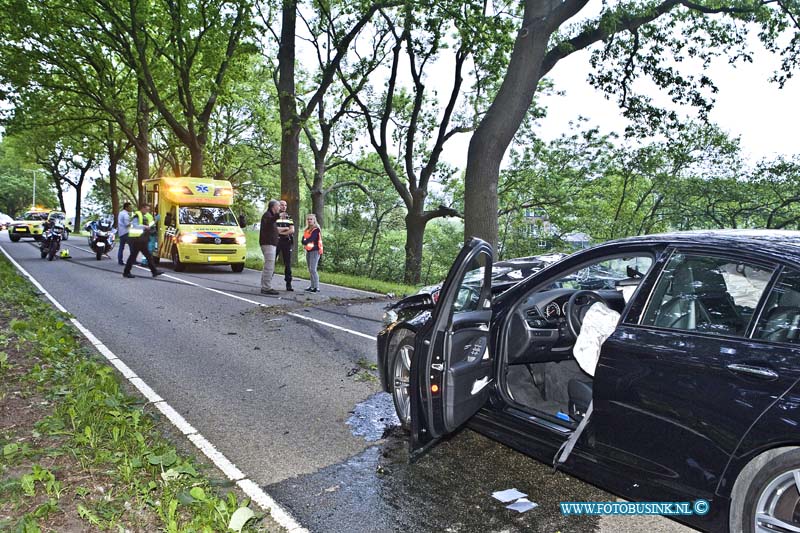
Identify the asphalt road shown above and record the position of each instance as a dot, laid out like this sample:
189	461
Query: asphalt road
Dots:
281	386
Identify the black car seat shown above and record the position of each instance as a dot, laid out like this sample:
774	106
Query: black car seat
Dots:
580	396
701	302
782	322
679	311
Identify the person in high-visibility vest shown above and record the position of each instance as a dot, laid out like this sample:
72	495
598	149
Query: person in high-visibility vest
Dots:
285	227
312	243
142	225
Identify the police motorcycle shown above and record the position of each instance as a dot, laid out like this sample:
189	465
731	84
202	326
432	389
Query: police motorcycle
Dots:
101	236
51	239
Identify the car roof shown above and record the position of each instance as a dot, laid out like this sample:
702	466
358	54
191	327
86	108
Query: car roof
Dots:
784	243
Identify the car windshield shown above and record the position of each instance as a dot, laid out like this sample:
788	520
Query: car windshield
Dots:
56	216
210	216
34	215
606	274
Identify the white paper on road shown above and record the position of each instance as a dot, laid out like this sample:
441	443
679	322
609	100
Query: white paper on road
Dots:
522	505
508	495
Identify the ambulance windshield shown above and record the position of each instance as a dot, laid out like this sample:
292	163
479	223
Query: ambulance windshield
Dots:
208	216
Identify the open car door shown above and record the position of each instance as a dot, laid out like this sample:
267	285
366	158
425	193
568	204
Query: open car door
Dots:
451	369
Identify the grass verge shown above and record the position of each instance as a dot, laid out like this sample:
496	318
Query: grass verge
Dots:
77	453
255	259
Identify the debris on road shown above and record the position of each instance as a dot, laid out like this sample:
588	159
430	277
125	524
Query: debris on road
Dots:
508	495
522	505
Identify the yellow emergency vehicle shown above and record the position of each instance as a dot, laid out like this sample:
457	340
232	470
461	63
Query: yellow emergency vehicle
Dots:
195	222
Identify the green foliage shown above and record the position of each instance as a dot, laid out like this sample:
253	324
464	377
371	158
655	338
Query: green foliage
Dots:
105	429
593	184
16	180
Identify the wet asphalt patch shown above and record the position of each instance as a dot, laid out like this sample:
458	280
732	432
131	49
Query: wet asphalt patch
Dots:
374	418
448	489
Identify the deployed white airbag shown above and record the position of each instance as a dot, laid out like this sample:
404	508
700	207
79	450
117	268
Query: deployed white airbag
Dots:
598	325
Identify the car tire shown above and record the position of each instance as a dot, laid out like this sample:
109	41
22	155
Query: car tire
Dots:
759	490
237	267
399	375
14	238
43	253
176	262
66	234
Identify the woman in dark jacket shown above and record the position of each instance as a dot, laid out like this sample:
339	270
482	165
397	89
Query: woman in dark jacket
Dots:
312	242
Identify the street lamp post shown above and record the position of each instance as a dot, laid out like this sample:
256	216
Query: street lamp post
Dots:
33	205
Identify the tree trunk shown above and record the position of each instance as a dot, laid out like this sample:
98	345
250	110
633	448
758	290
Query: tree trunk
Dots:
77	224
113	162
59	193
196	152
498	127
112	183
142	144
318	204
415	233
290	125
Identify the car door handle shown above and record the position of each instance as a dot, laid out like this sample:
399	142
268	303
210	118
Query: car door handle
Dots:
752	370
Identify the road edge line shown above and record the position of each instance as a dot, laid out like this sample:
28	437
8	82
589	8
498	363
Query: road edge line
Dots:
249	487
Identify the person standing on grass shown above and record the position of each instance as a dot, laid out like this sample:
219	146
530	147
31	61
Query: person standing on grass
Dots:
268	239
285	241
123	227
312	242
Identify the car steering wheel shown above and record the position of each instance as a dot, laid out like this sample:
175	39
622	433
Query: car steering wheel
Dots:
579	303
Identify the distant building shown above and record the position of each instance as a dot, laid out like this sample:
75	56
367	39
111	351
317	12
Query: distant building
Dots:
577	239
538	227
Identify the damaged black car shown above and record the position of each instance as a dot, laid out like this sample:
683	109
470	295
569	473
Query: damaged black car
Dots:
660	368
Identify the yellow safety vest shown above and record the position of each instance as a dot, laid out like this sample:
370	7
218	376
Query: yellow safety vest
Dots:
144	220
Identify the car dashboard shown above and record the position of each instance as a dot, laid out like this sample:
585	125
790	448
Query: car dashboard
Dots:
539	331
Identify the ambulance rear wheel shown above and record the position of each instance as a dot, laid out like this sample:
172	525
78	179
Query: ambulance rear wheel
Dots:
176	262
237	267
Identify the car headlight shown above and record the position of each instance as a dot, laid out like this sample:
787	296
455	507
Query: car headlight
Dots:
241	239
188	238
389	317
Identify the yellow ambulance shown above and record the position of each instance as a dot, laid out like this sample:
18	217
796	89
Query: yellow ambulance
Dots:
195	222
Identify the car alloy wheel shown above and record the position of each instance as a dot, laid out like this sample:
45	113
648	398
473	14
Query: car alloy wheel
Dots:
401	377
778	507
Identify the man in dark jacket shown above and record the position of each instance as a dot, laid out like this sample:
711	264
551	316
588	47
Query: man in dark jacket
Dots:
268	239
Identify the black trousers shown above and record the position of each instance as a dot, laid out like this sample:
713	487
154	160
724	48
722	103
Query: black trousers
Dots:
285	252
139	245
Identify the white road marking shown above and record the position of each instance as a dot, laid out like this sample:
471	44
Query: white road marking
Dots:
260	304
332	285
253	491
334	326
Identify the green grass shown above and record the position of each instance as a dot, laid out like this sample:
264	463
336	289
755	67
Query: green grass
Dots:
95	434
255	259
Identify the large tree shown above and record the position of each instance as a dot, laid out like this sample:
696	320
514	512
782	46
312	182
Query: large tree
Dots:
294	111
409	120
183	54
639	39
